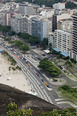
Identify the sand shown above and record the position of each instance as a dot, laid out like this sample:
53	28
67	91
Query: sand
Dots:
12	78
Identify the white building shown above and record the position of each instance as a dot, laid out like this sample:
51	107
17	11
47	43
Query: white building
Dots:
41	27
65	24
47	13
15	22
63	41
59	6
51	39
2	18
26	9
8	19
63	16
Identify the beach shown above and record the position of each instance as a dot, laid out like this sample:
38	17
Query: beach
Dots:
12	78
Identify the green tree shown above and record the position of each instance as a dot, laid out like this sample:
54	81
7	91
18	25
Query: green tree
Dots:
24	48
18	43
71	5
11	33
50	47
44	43
13	111
49	67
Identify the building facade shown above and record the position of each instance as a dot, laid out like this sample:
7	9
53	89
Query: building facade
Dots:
2	18
65	25
63	41
41	28
51	39
73	52
15	22
26	9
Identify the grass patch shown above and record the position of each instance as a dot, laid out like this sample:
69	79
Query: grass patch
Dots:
69	93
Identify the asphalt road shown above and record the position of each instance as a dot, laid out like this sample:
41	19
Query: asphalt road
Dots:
36	82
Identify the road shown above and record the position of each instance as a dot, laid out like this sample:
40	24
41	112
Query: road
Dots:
36	82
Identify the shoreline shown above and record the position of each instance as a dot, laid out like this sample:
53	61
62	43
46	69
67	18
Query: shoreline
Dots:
15	79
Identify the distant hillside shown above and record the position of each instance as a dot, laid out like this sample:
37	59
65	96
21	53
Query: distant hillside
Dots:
48	3
23	100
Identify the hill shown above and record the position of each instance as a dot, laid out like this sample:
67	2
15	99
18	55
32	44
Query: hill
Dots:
48	3
23	100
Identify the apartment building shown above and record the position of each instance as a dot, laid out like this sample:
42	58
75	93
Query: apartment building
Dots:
51	39
63	41
2	18
8	19
15	22
65	25
73	52
26	9
41	27
59	6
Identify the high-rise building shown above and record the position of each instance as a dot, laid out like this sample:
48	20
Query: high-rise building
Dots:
15	22
8	19
65	25
41	28
54	23
2	18
73	53
74	34
59	6
26	9
63	41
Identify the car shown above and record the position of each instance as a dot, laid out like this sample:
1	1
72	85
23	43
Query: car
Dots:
48	86
39	58
42	80
37	74
15	52
40	77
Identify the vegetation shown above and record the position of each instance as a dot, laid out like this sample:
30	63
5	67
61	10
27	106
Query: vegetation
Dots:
13	111
69	93
49	67
7	39
11	59
28	38
68	63
24	48
20	45
14	68
72	60
50	47
5	28
71	5
64	112
48	3
11	33
44	43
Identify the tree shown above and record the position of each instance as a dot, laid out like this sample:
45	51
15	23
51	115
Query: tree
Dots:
71	5
34	40
24	48
68	63
49	67
13	111
63	112
44	43
11	33
18	43
9	69
11	106
50	47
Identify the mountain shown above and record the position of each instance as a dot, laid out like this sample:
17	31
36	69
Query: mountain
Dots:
23	101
